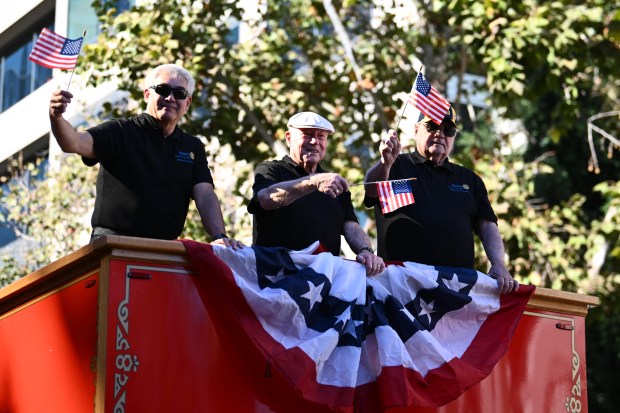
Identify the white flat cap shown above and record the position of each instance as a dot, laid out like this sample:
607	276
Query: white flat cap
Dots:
310	120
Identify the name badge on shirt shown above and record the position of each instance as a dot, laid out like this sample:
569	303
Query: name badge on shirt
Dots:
185	157
459	188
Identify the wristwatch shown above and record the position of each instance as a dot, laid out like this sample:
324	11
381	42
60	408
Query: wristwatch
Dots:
219	236
370	250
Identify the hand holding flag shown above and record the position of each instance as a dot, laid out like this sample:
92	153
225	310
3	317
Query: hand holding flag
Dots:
394	194
426	98
56	52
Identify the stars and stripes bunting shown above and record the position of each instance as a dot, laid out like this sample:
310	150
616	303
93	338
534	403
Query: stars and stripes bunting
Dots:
56	52
426	98
329	338
394	194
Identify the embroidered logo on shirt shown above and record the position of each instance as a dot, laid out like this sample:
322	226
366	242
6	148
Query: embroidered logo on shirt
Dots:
187	157
459	188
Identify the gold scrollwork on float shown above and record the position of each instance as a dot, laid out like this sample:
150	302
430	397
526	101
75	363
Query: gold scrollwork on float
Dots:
119	407
573	404
126	363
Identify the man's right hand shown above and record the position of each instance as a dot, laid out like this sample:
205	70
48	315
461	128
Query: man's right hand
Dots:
58	103
389	148
68	138
229	242
330	183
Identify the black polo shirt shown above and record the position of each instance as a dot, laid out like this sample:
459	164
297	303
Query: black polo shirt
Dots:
312	217
146	181
438	228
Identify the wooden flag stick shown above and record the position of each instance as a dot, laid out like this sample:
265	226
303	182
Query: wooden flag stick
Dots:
407	101
378	182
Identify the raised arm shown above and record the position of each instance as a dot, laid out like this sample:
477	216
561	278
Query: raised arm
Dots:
284	193
68	138
389	150
494	248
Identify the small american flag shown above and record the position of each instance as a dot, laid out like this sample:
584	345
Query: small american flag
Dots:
394	195
428	100
56	52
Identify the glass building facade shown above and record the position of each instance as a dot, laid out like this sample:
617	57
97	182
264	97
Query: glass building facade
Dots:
19	76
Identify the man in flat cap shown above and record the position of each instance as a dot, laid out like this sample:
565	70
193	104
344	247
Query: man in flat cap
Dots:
296	202
450	204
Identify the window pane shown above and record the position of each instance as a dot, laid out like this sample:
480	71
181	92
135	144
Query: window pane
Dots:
122	5
82	17
16	76
41	75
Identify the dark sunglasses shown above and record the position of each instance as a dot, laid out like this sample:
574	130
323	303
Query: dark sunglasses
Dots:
165	90
449	131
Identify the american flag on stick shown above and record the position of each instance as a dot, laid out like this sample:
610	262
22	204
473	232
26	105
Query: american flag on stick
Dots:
428	100
394	194
56	52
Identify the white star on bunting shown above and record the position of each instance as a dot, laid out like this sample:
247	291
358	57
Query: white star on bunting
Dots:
426	309
454	284
314	294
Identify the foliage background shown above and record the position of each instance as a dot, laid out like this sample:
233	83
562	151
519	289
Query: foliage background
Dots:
549	65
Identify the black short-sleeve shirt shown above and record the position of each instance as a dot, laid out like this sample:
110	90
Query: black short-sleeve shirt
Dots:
312	217
438	229
146	181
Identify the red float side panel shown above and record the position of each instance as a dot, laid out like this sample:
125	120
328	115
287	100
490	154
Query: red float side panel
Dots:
544	370
47	352
163	353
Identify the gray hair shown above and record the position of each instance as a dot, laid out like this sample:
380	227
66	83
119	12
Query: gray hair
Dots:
175	72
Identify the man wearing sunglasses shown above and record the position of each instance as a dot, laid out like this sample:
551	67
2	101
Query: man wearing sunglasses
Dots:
150	168
450	204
